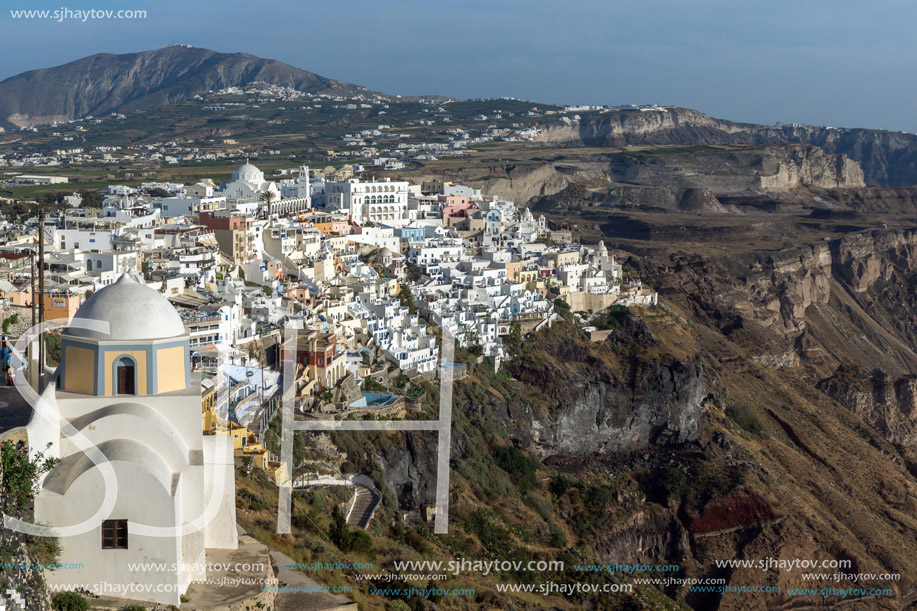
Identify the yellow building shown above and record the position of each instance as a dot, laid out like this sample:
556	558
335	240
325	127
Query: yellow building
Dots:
63	305
244	442
322	222
208	402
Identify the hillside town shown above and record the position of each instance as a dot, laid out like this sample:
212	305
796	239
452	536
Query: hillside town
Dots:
387	145
372	271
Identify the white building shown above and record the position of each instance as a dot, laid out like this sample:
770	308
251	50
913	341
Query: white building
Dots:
190	206
133	448
247	184
368	201
298	187
81	239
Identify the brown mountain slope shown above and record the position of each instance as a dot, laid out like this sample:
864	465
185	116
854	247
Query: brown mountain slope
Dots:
105	83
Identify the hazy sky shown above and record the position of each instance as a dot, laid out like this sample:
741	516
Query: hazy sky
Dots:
840	63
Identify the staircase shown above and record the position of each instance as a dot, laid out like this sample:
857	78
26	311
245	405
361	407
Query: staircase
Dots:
365	500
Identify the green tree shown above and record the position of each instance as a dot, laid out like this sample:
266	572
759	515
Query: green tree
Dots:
21	473
53	348
346	539
412	272
268	198
407	298
10	320
515	331
519	465
158	192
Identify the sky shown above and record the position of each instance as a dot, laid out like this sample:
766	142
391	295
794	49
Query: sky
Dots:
839	63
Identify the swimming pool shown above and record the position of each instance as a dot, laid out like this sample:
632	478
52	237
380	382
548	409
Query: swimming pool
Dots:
373	399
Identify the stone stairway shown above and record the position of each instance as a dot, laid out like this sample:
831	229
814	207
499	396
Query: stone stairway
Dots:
365	501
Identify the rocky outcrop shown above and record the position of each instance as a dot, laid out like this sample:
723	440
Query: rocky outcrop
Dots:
809	166
776	290
650	536
861	259
664	126
700	201
524	182
887	404
731	171
603	406
410	469
658	403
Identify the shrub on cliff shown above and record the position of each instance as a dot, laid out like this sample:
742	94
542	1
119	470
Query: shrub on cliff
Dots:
610	318
69	601
520	467
45	550
695	486
743	416
344	538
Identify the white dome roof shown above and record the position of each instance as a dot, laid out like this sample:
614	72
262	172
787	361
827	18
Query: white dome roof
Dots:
132	310
248	173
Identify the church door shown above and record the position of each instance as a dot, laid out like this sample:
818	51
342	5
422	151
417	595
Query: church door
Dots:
126	377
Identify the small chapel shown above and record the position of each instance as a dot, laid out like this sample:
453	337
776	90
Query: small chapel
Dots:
128	403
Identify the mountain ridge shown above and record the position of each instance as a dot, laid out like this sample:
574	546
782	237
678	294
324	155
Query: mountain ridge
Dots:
107	83
104	83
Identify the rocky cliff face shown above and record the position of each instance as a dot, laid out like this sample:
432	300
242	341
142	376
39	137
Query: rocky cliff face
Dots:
719	171
671	126
797	166
654	403
410	470
600	403
661	180
887	404
777	289
888	159
523	182
840	307
650	536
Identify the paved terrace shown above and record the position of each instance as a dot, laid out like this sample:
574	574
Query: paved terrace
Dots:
14	410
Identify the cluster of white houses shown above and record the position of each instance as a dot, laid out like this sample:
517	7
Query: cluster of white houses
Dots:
363	269
365	260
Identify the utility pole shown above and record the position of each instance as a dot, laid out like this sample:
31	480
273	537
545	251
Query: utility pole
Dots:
32	282
41	291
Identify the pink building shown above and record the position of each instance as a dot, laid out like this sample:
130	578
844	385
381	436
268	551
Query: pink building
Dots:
341	227
457	209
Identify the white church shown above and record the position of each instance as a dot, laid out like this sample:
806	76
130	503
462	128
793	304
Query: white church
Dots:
132	396
247	185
